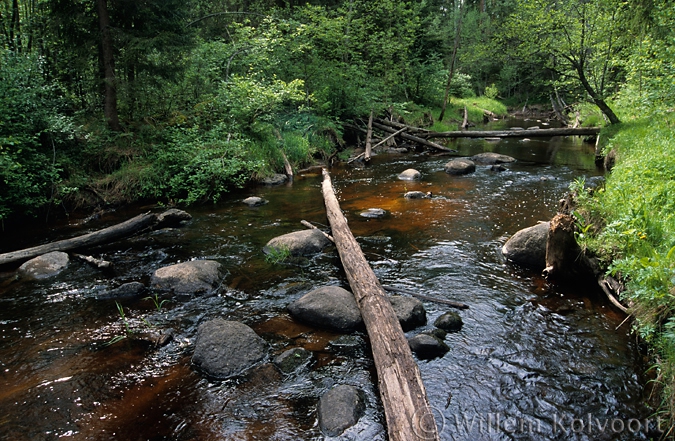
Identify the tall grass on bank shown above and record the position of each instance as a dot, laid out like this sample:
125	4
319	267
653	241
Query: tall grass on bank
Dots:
633	217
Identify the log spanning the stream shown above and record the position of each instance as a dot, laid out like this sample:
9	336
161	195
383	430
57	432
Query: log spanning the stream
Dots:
526	133
106	235
406	407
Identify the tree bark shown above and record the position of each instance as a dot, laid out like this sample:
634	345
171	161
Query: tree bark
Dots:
597	99
368	137
406	407
108	61
453	59
106	235
565	261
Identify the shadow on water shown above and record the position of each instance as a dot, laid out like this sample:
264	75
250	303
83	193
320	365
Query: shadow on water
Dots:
531	362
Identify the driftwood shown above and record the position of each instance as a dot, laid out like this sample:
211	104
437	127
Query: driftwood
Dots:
581	131
98	263
606	289
406	407
427	298
414	138
106	235
312	227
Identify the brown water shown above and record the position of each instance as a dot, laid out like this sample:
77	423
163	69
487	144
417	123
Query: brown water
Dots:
532	362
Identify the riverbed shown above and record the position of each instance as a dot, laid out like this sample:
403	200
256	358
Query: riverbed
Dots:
532	361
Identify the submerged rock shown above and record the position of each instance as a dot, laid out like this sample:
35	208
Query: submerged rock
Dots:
340	408
195	276
491	158
450	322
329	307
410	312
298	243
427	346
224	349
373	213
254	201
417	195
124	291
44	266
410	175
292	360
528	246
460	166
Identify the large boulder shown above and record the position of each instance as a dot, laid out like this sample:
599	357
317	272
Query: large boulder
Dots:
528	247
172	217
460	166
224	349
491	158
409	175
44	266
329	307
195	276
409	311
340	408
298	243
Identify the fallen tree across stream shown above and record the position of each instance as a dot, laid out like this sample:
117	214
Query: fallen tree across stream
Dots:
106	235
406	407
525	133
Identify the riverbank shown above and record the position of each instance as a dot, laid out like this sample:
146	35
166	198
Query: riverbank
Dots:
630	225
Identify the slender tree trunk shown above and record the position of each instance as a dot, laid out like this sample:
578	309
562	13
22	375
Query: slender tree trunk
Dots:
597	99
108	61
453	59
15	28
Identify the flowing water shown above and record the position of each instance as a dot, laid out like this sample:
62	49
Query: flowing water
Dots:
532	362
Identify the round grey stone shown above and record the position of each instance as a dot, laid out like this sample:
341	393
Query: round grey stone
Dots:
460	166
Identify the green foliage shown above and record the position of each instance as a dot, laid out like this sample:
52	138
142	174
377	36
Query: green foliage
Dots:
157	302
275	255
31	131
491	91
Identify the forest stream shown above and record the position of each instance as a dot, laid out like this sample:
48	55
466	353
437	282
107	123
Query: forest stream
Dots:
532	361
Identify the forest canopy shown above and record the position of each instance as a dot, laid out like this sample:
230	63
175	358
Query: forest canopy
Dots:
111	101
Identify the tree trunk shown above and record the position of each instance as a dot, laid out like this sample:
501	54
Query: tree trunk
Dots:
465	121
565	261
106	235
406	407
369	137
453	59
602	105
108	62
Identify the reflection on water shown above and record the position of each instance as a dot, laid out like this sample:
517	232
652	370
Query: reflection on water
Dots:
531	362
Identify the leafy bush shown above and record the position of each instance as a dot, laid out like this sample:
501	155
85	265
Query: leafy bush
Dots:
30	133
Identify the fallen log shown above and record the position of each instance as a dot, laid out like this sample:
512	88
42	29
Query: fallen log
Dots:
398	125
406	407
106	235
427	298
581	131
414	138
